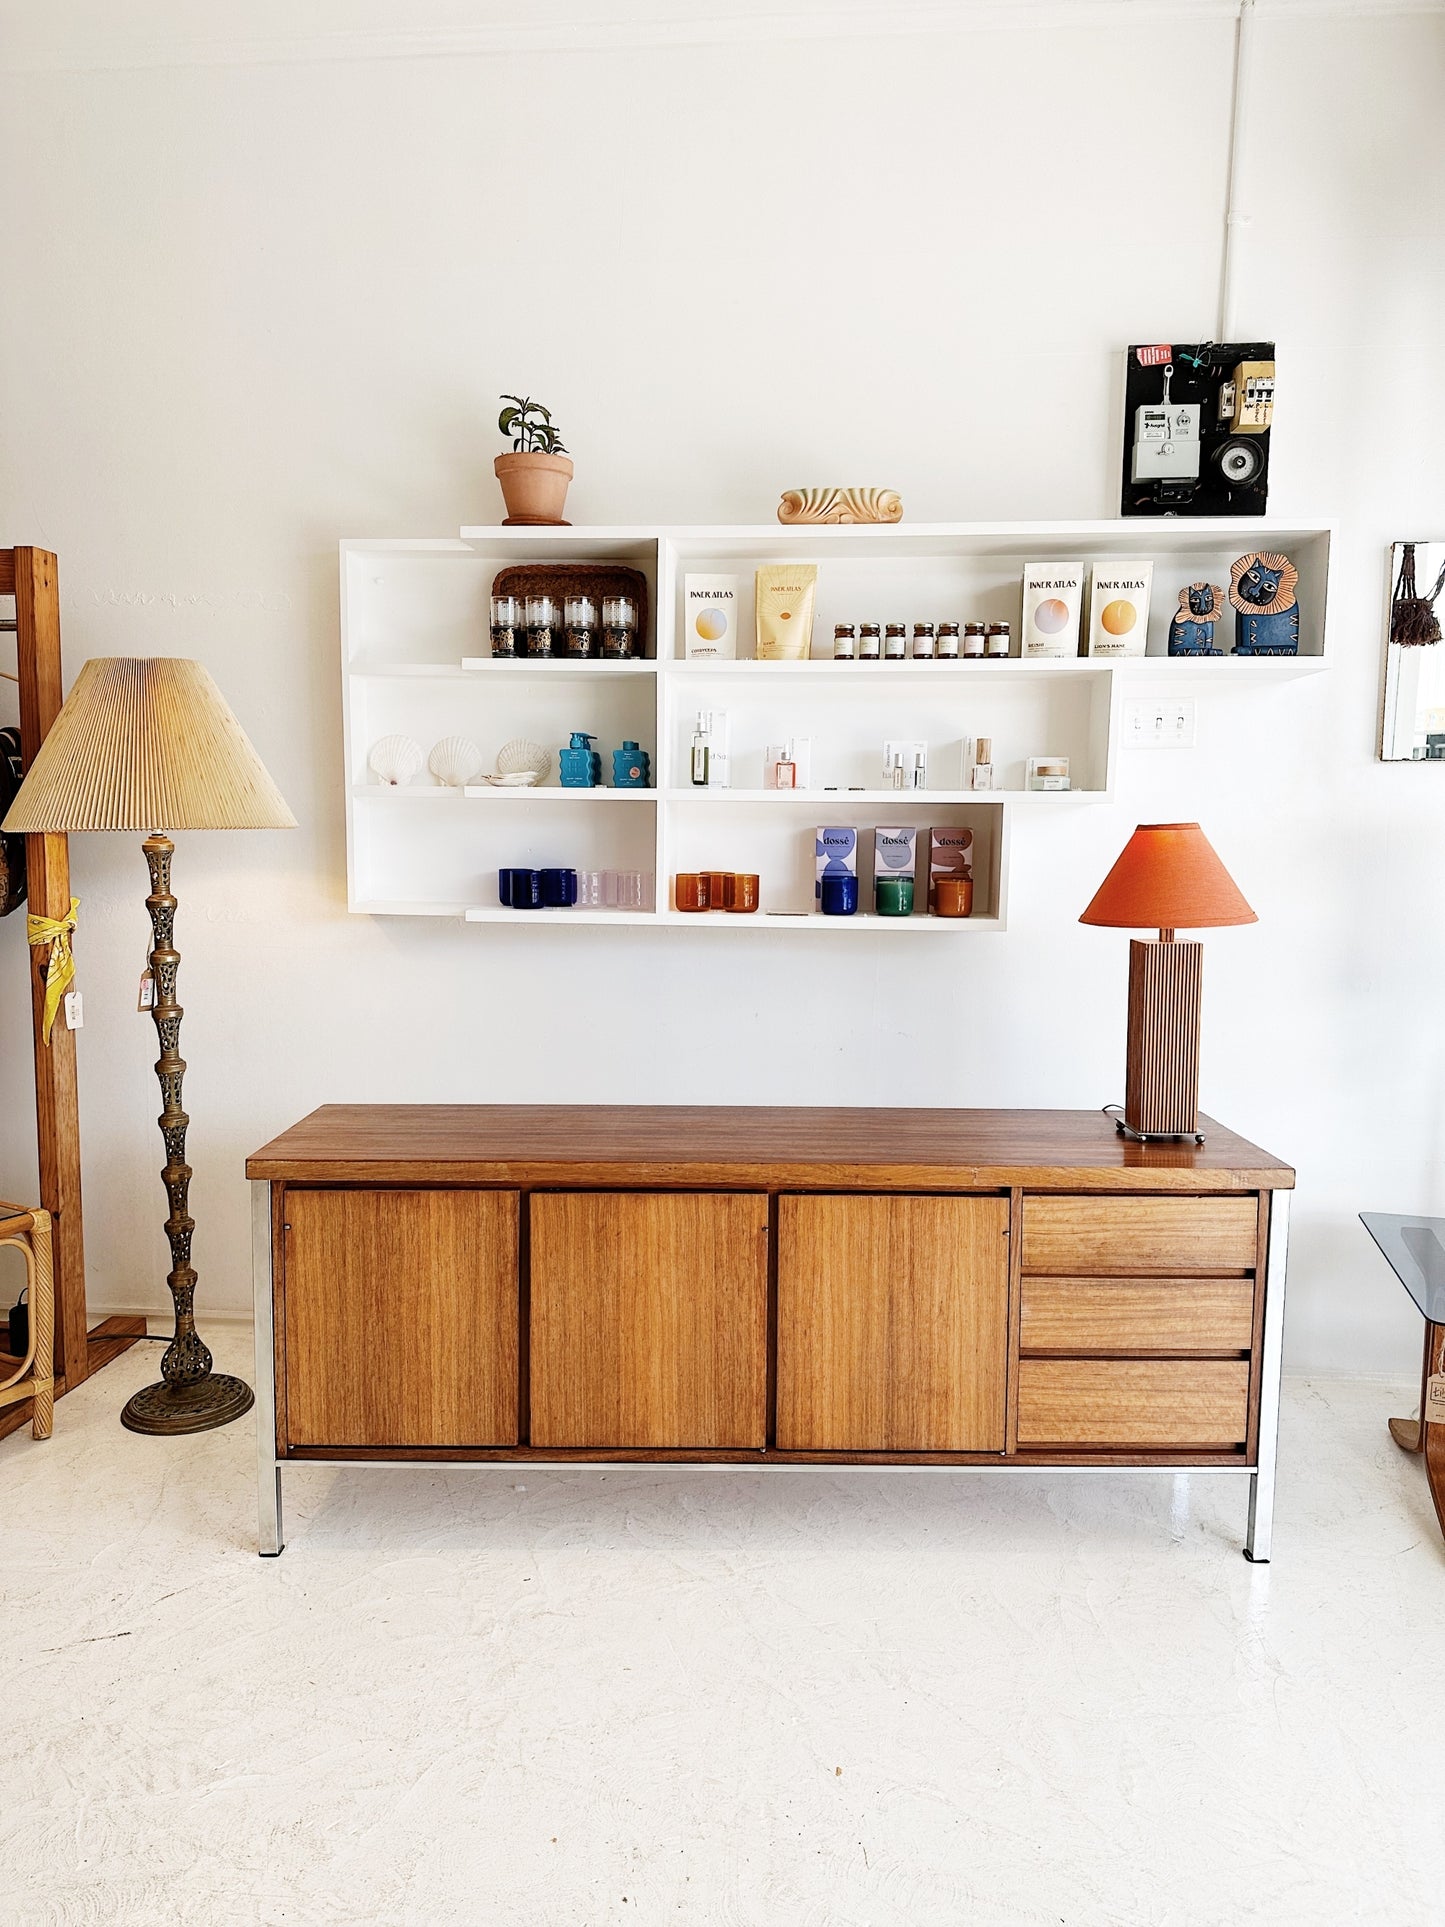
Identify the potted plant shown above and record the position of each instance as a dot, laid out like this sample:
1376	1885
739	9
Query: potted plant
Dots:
535	475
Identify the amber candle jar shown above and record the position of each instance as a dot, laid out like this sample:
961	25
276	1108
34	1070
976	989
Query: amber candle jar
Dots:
744	894
690	890
953	896
719	889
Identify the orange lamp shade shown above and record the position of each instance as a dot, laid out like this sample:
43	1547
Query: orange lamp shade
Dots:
1168	877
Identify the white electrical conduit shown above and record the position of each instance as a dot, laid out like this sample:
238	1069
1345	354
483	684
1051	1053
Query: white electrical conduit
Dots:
1239	100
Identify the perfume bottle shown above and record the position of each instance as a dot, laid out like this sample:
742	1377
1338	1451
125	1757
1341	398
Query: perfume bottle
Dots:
701	765
918	775
980	776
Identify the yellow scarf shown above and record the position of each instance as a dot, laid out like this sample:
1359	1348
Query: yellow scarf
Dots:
60	970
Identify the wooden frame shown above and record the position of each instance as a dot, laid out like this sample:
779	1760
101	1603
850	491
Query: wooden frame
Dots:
31	576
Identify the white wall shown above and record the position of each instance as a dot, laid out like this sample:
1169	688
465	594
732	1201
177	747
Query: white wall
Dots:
250	307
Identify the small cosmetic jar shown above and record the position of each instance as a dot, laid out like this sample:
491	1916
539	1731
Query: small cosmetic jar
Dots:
690	890
893	896
839	895
743	894
520	889
953	896
559	889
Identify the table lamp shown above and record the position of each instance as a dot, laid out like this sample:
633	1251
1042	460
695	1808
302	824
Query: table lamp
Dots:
1167	878
148	744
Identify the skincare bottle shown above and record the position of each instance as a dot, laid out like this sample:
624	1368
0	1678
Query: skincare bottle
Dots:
870	642
925	645
701	751
996	641
973	641
948	642
785	771
845	643
895	642
893	774
980	777
918	776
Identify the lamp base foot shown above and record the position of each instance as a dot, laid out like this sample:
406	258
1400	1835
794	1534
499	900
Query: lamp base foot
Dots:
163	1411
1136	1136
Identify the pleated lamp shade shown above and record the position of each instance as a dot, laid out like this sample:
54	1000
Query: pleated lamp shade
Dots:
1168	878
146	743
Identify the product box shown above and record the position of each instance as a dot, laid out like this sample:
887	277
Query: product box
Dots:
894	852
950	854
1053	600
712	608
1119	608
837	855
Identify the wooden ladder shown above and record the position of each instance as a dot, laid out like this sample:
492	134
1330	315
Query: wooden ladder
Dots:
31	577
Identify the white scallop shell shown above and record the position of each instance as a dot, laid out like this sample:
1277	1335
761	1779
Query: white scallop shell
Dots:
395	759
454	761
519	756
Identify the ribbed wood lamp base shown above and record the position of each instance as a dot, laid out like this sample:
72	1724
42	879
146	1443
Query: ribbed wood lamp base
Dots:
1161	1086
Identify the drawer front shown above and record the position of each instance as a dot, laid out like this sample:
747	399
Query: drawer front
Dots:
1134	1402
1176	1317
1159	1236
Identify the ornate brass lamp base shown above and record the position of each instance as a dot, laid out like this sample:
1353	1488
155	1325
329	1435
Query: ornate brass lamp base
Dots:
190	1398
166	1409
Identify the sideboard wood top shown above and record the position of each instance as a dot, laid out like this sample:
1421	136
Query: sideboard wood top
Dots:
728	1146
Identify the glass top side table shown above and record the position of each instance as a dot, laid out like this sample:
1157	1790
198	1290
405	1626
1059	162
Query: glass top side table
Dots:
1414	1249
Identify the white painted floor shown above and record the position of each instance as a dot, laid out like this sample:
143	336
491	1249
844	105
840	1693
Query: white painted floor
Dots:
784	1699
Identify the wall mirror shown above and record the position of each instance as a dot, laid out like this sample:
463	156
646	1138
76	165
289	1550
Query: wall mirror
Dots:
1413	726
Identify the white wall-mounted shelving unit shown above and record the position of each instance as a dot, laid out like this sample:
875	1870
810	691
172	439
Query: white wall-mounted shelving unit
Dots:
414	642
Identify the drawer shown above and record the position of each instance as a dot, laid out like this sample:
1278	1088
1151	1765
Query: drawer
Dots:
1177	1317
1148	1236
1137	1402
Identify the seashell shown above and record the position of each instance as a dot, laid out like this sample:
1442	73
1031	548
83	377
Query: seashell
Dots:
394	760
518	780
519	756
454	761
840	505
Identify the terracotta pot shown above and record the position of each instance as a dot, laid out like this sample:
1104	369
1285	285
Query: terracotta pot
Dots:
534	485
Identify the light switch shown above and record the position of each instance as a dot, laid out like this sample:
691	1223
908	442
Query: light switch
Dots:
1167	724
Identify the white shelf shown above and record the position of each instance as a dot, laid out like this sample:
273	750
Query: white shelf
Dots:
488	793
829	799
727	919
414	624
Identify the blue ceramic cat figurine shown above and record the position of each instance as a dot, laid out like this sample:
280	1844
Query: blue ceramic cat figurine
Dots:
1191	627
1262	590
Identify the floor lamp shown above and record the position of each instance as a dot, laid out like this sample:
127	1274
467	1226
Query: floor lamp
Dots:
148	744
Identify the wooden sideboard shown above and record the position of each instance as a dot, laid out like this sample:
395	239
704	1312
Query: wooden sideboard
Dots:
551	1283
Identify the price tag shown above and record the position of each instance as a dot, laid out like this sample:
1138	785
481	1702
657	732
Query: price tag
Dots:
74	1010
1434	1413
146	999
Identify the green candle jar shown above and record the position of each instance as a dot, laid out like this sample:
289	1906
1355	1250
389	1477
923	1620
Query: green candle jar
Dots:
893	896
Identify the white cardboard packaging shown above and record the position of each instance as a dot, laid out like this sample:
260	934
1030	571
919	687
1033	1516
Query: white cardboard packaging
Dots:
1119	608
1053	601
712	608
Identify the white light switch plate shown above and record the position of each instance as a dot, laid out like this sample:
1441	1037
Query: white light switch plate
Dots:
1159	725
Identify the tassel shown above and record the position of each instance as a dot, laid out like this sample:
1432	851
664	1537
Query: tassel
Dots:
1413	621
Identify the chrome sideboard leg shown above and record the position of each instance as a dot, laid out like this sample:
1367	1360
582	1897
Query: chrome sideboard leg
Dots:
1261	1484
268	1471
